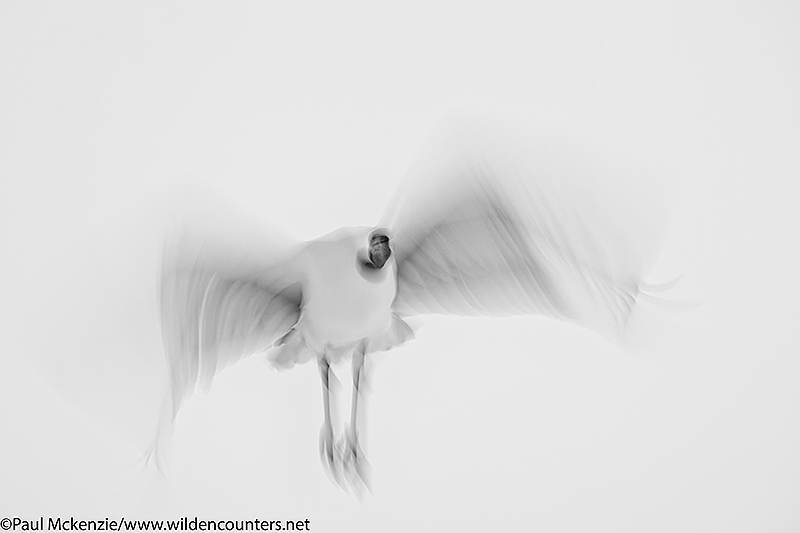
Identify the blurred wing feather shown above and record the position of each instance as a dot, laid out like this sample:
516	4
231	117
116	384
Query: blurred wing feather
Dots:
469	255
477	235
215	311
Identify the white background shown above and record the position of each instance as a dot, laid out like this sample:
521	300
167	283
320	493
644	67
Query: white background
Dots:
308	113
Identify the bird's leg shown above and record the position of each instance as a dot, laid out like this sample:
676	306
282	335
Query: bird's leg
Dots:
353	455
358	369
326	447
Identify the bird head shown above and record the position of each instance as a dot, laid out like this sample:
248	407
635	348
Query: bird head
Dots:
379	250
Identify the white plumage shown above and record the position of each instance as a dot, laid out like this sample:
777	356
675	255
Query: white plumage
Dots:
342	302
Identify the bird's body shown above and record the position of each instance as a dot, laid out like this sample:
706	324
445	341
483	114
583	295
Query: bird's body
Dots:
344	302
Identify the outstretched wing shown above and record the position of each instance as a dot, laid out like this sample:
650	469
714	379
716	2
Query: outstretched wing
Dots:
228	288
219	304
479	229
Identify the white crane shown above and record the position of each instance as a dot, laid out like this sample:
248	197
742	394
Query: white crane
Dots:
478	228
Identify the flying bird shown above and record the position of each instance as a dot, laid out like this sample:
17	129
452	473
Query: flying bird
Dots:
487	223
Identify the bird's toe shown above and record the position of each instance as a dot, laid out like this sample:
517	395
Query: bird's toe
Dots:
355	465
327	449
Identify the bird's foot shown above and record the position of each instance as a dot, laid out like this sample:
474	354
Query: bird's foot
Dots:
343	460
355	466
329	451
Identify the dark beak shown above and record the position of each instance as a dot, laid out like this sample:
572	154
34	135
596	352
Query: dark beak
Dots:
379	253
